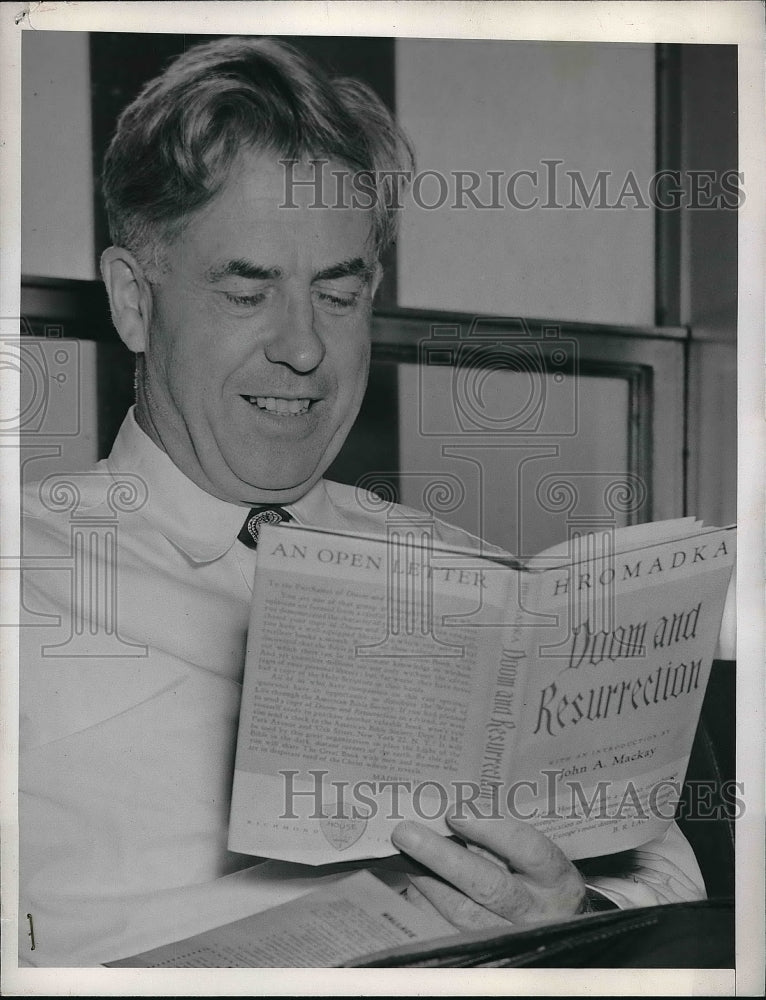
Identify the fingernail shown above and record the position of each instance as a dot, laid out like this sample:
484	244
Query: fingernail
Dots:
405	836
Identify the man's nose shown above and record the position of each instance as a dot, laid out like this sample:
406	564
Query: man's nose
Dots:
295	341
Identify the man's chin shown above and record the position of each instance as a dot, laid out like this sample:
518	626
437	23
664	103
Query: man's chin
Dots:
277	489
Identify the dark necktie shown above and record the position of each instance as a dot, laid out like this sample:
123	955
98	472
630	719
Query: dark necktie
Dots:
261	514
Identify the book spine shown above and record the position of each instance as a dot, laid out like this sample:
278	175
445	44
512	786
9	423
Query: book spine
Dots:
505	702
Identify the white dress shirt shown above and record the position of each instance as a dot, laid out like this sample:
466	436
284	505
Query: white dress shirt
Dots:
129	709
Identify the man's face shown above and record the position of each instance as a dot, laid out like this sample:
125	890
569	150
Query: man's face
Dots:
259	344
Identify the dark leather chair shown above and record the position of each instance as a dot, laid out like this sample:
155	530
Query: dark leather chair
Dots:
708	807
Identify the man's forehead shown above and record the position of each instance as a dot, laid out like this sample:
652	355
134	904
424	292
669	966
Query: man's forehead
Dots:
271	204
272	179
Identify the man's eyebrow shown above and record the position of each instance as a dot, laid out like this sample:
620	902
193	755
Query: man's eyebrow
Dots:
353	267
240	268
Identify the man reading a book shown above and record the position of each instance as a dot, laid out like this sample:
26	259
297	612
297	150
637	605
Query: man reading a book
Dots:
242	277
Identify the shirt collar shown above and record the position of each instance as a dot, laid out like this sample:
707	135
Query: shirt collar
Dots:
196	522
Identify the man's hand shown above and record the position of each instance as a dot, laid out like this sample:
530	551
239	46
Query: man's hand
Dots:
507	872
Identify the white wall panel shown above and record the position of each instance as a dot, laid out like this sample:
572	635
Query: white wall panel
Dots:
56	170
500	478
507	106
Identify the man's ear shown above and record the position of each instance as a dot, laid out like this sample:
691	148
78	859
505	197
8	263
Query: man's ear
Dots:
130	297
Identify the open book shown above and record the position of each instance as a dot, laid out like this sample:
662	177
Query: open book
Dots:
389	679
353	917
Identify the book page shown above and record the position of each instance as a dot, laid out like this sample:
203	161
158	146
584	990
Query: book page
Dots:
334	925
616	687
369	679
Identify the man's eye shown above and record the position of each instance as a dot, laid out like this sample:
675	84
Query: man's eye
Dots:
245	301
335	301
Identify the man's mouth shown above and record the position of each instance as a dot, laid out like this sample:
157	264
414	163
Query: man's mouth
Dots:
279	405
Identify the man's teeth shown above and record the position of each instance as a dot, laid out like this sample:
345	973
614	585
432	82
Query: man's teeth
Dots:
276	405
